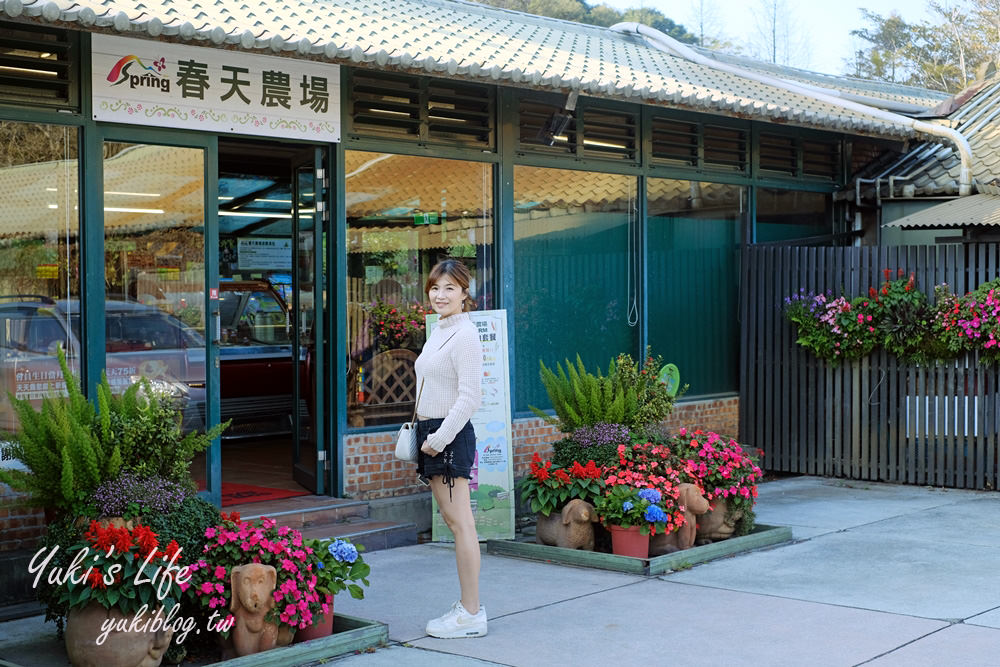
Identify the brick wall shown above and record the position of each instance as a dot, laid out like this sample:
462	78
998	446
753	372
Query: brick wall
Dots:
371	470
20	527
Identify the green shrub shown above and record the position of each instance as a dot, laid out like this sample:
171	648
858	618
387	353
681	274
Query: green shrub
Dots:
62	533
653	399
187	525
65	459
146	424
581	398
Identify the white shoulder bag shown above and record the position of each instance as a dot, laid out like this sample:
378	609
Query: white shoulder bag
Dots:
406	439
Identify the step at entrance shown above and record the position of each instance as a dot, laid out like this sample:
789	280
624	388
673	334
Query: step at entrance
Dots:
321	517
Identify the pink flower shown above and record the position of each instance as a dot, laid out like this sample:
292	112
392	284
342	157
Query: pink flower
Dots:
220	572
207	588
290	610
210	532
219	588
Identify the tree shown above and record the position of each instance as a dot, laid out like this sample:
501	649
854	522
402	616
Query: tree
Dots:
775	41
655	19
890	38
569	10
603	15
707	26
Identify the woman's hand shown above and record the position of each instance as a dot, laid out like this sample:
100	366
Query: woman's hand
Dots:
428	450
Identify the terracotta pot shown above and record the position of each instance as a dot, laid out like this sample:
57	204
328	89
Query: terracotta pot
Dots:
718	523
323	628
628	541
122	649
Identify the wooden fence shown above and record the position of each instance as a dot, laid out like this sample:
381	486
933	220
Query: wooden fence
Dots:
876	418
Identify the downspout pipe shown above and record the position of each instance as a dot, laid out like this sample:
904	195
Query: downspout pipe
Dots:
666	43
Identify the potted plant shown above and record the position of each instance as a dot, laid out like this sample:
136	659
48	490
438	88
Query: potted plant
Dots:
123	588
337	564
631	514
394	326
728	476
547	489
234	543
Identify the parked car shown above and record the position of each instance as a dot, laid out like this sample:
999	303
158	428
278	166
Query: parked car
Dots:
255	355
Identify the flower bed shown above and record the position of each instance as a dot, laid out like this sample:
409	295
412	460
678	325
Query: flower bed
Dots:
761	536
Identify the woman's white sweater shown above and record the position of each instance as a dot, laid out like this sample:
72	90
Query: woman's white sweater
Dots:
451	369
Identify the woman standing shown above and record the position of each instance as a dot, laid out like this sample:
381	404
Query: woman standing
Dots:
449	370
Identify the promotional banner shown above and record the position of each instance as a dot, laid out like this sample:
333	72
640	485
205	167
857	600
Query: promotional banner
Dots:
492	485
158	84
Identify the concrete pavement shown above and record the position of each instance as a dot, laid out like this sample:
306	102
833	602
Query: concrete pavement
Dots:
878	574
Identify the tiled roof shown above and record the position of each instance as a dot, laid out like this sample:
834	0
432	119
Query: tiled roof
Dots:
893	92
454	38
932	169
975	210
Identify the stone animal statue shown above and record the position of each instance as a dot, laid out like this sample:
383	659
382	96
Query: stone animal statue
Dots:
252	587
694	504
573	528
120	648
719	523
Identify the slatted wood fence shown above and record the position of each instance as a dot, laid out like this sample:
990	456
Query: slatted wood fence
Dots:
876	418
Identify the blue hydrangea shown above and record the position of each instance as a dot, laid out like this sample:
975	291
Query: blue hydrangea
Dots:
655	513
627	505
343	551
651	495
320	565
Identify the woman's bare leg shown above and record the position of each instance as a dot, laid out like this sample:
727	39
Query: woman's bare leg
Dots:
457	513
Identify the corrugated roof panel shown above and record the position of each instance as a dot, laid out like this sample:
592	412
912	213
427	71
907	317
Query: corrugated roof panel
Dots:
974	210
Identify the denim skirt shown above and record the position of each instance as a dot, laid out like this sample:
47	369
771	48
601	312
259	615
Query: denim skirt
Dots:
457	458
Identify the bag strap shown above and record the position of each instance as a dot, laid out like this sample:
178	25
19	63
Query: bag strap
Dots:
421	390
417	402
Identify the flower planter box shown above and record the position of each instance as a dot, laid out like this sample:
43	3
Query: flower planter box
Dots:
349	634
762	536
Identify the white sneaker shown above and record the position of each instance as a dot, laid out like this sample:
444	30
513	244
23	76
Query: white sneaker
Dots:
458	623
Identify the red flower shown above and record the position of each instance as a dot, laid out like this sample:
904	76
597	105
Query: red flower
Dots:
562	476
96	579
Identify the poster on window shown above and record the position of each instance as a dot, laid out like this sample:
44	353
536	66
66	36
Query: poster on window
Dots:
492	484
264	254
160	84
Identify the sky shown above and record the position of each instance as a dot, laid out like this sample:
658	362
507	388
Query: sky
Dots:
824	26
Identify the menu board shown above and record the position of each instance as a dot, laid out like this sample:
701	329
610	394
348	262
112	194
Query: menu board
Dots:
492	484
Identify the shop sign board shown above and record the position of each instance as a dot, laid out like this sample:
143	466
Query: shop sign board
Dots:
161	84
264	254
492	484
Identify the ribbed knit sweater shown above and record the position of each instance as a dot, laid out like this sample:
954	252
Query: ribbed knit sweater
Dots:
451	369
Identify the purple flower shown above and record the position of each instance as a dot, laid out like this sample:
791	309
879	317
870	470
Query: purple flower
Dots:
601	434
150	494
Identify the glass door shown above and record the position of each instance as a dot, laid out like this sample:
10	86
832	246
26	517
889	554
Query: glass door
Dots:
309	457
157	243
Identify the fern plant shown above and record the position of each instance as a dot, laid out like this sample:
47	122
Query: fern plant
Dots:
581	398
58	445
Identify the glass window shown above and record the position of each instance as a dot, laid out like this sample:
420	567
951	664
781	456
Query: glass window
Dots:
693	242
786	215
574	274
404	214
39	260
154	270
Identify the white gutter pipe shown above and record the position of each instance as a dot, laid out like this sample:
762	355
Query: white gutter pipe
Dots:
666	43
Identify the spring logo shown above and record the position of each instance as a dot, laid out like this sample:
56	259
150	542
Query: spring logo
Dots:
132	70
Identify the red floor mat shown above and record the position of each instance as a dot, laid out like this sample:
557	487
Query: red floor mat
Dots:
236	494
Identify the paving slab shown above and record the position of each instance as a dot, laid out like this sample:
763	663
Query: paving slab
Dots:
833	504
990	619
645	623
958	644
923	578
31	641
411	585
394	656
964	522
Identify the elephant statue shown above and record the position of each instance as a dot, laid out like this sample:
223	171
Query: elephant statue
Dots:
694	504
573	528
